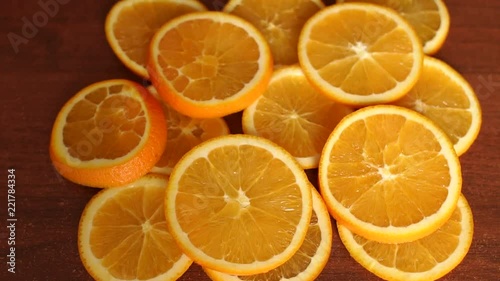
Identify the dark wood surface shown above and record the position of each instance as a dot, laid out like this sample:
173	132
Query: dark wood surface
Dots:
70	51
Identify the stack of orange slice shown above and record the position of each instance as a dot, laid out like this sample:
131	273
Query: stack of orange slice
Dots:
355	96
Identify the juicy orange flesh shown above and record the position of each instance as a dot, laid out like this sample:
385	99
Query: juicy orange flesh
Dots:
185	133
294	115
421	255
136	25
243	197
106	124
388	171
423	15
280	22
299	261
130	237
362	47
206	60
439	98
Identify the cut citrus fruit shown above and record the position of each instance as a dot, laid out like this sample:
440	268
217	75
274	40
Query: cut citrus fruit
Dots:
280	21
109	134
184	133
130	26
372	55
123	234
308	261
428	258
445	97
390	174
239	204
294	115
429	18
209	64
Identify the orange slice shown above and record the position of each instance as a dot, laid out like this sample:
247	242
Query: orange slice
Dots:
360	54
123	234
294	115
279	22
109	134
308	261
390	174
445	97
239	204
428	258
184	133
209	64
429	18
130	26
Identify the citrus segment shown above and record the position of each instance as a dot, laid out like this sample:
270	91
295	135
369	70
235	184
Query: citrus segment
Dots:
372	55
109	134
123	234
130	26
209	64
279	22
294	115
308	262
389	174
429	18
184	133
239	204
428	258
445	97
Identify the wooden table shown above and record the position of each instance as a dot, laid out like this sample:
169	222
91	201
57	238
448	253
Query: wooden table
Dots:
69	51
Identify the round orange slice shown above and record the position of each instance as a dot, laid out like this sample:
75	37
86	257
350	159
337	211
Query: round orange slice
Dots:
390	174
429	18
293	114
428	258
130	26
308	262
444	96
360	54
123	234
239	204
109	134
279	22
209	64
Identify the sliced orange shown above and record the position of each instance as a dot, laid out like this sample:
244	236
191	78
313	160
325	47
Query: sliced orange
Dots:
239	204
109	134
130	26
280	21
123	234
184	133
294	115
390	174
209	64
429	18
428	258
445	97
360	54
308	261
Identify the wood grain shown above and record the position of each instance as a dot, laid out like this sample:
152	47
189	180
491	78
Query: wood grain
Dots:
70	51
